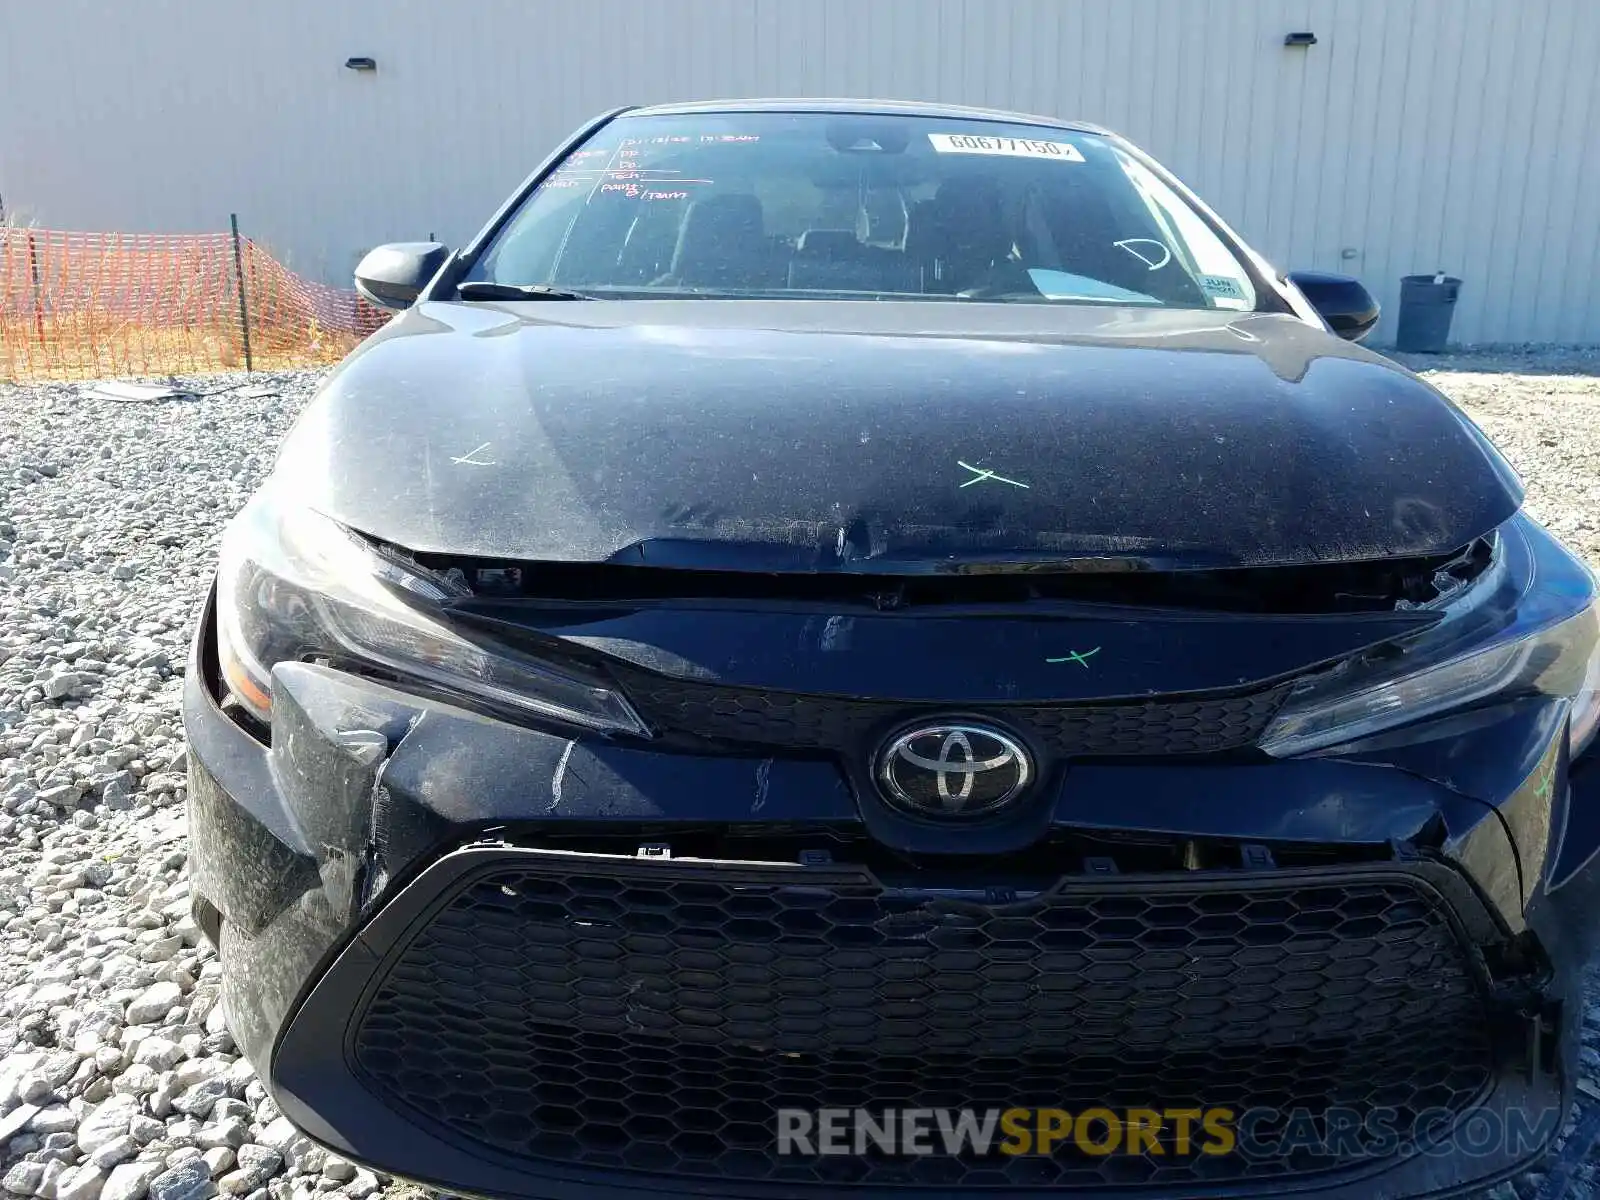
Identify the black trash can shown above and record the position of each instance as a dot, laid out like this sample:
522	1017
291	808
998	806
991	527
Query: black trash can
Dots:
1427	302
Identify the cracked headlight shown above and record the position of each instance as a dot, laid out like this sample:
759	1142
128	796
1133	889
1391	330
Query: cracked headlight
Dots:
1530	626
293	585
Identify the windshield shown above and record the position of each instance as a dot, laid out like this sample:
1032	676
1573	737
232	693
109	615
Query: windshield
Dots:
826	205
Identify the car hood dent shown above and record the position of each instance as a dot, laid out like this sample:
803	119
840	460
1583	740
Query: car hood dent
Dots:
814	435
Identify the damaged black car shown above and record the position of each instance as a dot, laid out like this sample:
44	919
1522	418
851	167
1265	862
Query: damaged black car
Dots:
877	650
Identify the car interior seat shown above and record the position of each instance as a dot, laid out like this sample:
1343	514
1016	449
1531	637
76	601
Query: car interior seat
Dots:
722	243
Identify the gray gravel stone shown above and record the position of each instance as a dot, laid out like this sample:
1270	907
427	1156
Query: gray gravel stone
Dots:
305	1157
160	1101
24	1179
54	1169
115	1151
198	1100
61	685
107	1123
226	1134
58	1118
161	950
158	1052
137	1080
116	792
256	1164
84	1183
14	1071
240	1076
56	1068
189	1180
228	1109
145	1130
108	1060
279	1135
130	1181
15	1121
154	1003
338	1170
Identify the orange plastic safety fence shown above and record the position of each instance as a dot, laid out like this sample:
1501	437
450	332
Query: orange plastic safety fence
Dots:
87	305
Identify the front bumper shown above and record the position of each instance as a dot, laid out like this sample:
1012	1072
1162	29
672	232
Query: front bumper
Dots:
441	966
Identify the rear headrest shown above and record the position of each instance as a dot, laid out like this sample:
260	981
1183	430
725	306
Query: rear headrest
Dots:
969	211
922	229
721	239
958	233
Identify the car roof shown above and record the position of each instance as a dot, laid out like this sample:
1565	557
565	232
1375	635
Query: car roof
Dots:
912	108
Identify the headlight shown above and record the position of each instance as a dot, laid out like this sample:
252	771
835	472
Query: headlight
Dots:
1530	626
294	585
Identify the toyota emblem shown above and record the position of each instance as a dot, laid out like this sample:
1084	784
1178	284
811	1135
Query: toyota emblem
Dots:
953	770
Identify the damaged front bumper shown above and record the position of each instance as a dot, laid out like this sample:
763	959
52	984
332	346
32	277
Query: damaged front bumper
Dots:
372	874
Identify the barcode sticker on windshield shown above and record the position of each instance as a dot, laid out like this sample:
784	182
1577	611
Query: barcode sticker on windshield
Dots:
973	143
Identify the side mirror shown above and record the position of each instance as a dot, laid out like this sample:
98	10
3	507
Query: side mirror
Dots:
392	276
1341	301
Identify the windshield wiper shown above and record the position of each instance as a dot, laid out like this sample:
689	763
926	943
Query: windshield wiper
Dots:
483	290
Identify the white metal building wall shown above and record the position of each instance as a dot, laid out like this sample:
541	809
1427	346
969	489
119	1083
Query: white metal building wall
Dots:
1415	135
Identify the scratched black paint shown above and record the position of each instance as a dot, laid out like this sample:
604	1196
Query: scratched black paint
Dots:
832	436
829	436
298	866
934	658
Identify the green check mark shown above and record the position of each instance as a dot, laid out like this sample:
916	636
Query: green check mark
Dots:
1080	657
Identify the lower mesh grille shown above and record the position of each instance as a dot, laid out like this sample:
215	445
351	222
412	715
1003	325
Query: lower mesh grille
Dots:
627	1015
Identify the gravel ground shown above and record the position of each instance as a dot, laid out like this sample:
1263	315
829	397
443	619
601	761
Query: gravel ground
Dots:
118	1079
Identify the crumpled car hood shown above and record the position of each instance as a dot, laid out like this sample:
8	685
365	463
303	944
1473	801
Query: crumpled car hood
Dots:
886	436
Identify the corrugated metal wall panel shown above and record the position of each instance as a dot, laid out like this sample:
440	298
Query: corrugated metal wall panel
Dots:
1416	134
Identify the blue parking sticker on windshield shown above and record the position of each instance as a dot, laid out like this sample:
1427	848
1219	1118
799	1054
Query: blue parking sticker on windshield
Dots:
1221	287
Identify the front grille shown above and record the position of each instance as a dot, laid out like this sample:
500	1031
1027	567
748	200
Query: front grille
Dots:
790	719
636	1015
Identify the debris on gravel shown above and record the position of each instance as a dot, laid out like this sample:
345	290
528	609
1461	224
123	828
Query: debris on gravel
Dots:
118	1080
